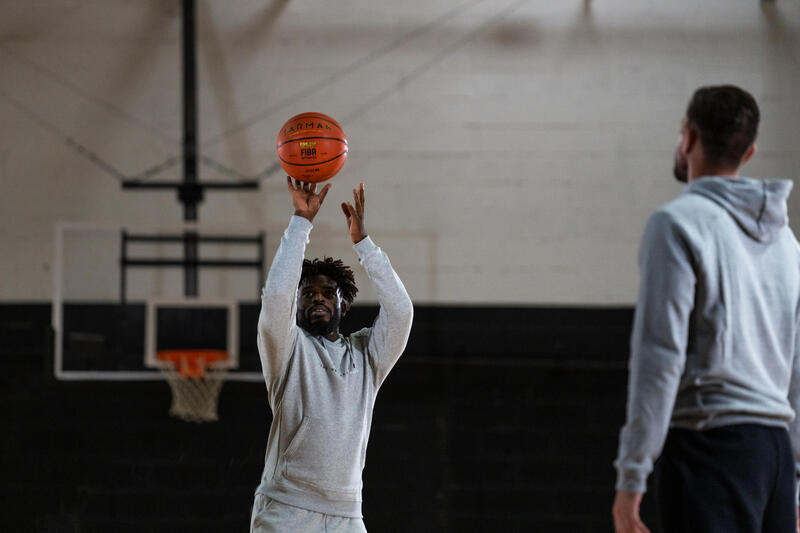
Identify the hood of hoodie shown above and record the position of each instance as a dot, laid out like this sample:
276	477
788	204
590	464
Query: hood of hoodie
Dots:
758	206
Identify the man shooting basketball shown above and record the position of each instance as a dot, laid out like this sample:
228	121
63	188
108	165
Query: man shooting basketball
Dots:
714	365
322	385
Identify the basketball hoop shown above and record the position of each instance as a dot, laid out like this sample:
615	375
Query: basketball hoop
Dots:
194	381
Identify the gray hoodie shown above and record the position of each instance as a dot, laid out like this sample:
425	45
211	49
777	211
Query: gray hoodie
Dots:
322	393
715	334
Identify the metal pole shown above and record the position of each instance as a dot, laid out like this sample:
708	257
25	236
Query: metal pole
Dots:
123	267
190	194
190	271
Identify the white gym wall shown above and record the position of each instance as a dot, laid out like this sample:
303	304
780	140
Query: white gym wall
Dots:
512	149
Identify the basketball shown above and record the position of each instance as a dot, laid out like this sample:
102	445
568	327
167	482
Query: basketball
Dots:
312	147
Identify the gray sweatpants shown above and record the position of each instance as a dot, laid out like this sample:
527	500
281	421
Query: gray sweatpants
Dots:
270	516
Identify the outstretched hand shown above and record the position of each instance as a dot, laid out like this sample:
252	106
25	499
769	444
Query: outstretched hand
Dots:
305	198
355	215
626	513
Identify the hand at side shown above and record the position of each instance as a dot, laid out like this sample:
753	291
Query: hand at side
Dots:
626	513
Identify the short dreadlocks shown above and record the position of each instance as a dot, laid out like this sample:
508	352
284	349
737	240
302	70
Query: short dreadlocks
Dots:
334	269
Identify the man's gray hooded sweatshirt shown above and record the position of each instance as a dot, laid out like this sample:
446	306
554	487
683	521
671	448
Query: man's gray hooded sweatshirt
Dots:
715	334
322	392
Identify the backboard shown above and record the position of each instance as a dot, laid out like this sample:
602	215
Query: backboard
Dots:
98	337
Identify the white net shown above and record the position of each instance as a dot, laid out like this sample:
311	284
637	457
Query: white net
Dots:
195	398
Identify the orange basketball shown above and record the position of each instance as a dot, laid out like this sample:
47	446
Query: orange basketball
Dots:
312	147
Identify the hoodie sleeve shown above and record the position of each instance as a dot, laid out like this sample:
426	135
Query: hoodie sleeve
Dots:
277	325
390	332
658	348
794	400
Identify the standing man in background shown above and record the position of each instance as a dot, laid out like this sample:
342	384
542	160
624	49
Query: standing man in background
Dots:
322	385
714	366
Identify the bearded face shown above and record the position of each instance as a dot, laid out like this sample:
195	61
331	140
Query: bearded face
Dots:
319	306
680	168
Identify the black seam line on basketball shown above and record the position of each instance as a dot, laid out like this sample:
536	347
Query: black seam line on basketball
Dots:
312	164
356	65
307	138
321	117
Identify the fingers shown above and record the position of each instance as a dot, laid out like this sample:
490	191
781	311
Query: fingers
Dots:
622	526
305	186
630	525
349	210
296	185
358	200
324	192
349	213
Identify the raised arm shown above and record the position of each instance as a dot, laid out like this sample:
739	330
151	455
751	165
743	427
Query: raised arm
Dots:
794	401
658	356
277	327
391	329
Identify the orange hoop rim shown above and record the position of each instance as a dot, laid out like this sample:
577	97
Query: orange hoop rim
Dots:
192	363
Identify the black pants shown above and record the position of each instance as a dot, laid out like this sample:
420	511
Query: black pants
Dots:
728	480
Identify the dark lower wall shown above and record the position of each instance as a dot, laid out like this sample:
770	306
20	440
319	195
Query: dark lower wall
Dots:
495	419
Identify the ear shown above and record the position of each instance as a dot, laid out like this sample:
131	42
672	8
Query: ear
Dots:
345	306
691	140
749	154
